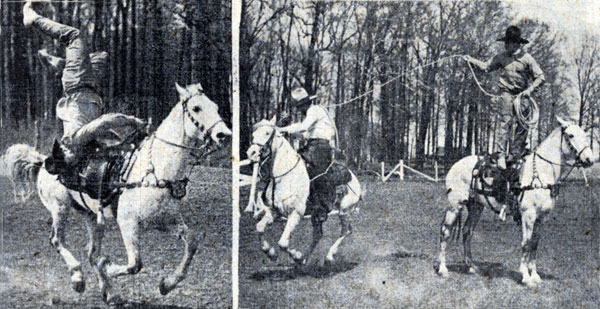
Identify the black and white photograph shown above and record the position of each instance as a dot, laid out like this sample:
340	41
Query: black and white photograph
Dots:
299	154
419	154
116	130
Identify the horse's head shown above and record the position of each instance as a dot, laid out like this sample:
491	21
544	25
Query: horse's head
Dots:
202	117
262	136
576	143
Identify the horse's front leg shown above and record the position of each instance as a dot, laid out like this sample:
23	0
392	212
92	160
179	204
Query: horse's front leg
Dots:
473	216
261	227
129	228
535	239
190	241
528	225
284	242
95	227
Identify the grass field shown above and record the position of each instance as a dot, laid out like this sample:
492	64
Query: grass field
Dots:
33	275
390	260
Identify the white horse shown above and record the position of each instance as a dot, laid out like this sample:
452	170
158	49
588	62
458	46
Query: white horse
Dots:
291	183
540	177
161	161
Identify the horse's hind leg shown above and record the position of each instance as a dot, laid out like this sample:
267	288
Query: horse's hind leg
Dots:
317	234
190	241
60	214
473	216
95	228
345	221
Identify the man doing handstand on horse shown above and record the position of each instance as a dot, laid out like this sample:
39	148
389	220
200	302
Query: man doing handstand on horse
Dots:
520	76
81	107
319	133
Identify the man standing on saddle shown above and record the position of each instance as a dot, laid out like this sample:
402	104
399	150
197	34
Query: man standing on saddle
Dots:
520	76
81	106
318	131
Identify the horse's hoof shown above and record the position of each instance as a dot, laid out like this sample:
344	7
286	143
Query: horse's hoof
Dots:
443	272
535	278
529	283
112	300
166	285
271	254
162	287
328	263
78	286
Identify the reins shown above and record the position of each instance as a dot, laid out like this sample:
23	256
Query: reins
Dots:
177	187
267	145
535	173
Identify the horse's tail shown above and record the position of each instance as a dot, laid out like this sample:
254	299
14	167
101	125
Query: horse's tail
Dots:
354	194
21	164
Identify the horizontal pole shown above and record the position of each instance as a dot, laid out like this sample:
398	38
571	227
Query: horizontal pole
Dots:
419	173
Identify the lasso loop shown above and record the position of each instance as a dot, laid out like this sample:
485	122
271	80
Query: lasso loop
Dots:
528	120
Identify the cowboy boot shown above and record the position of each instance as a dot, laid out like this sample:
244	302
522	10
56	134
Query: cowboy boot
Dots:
49	27
57	63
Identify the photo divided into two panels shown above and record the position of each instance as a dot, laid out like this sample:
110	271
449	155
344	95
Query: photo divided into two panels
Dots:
418	154
116	154
375	153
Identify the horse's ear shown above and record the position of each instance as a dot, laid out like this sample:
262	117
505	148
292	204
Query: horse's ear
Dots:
182	91
563	123
273	120
56	151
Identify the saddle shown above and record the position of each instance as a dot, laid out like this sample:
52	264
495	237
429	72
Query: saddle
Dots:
337	174
502	185
100	169
326	190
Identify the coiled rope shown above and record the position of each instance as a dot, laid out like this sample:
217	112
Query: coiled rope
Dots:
527	116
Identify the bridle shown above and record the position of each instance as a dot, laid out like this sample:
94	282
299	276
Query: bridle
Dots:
187	114
579	162
177	187
554	187
265	157
267	145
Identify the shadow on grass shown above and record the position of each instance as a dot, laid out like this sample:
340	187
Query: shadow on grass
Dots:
405	254
494	270
292	272
139	305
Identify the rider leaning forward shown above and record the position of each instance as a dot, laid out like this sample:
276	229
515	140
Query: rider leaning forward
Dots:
318	130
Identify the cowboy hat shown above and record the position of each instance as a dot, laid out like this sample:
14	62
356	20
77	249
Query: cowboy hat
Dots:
301	97
513	34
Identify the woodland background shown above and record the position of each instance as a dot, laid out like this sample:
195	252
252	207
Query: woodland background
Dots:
429	108
151	44
424	106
